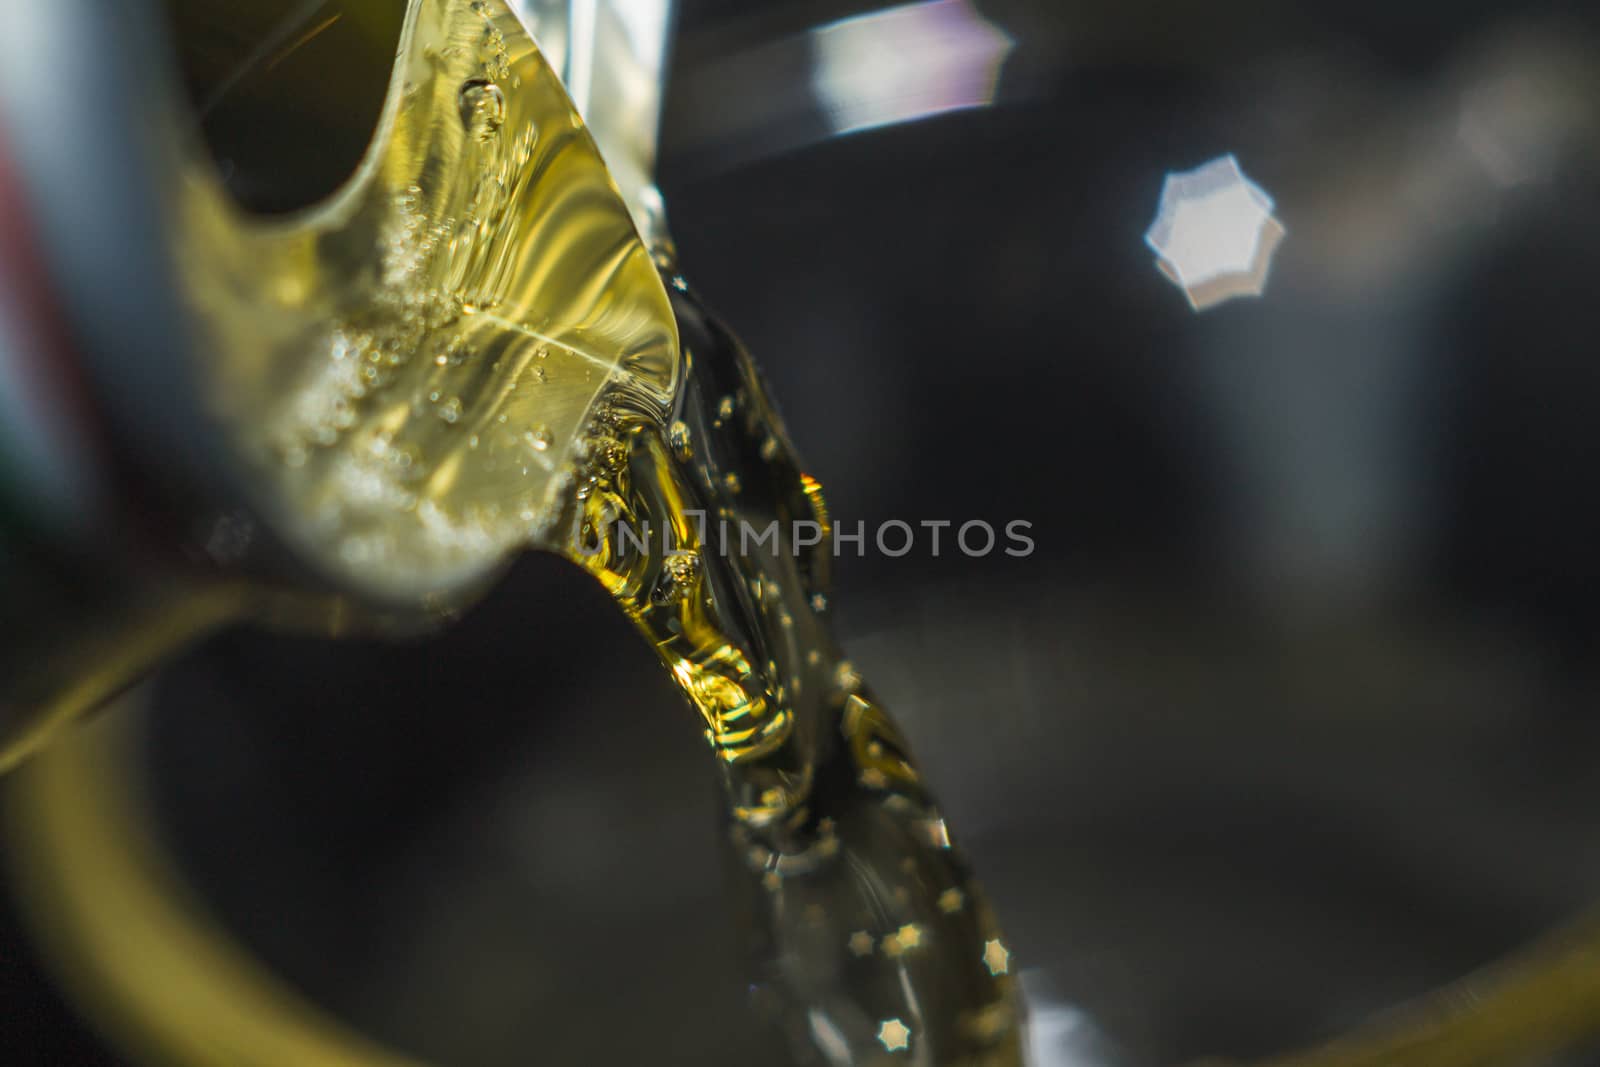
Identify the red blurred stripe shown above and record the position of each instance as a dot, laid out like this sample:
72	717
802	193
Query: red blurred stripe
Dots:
53	376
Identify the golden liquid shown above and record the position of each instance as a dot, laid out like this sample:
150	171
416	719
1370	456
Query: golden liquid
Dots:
508	370
393	380
468	351
406	368
869	935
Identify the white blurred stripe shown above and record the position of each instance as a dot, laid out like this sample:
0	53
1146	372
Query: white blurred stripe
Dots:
907	63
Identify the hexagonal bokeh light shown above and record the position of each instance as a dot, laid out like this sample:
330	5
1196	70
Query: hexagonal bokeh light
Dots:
1214	234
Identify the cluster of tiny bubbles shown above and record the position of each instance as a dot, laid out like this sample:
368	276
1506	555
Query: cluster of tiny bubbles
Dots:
455	352
678	440
680	575
498	62
449	407
409	243
380	474
542	522
323	407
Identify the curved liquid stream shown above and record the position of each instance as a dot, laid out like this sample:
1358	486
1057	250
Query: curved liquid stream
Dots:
467	351
869	935
382	394
405	370
868	938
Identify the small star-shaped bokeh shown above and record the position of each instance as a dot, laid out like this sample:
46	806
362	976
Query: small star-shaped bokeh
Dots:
861	943
996	957
903	940
894	1035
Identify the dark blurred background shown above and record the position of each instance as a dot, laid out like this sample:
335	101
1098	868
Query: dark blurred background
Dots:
1288	718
